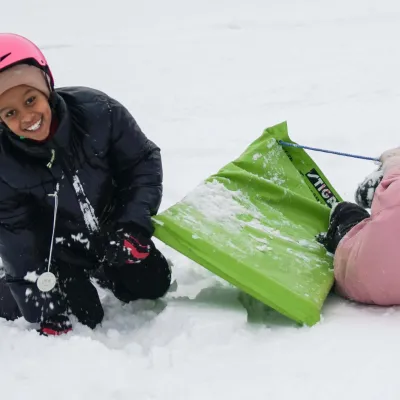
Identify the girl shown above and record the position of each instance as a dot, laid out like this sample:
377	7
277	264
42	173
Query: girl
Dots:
366	259
79	182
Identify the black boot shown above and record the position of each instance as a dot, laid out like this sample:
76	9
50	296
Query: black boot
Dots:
8	306
344	217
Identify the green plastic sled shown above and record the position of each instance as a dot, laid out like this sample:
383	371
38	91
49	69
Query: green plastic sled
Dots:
254	224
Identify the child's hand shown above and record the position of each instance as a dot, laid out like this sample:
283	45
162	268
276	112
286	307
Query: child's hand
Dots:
125	248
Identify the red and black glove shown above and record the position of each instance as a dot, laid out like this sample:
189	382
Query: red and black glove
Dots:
125	248
55	326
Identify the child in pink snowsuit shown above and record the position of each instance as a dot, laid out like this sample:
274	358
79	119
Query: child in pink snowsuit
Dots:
367	247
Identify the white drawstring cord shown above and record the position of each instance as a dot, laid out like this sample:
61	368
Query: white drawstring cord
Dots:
55	195
47	281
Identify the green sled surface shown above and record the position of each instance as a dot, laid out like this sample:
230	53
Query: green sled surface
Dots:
254	224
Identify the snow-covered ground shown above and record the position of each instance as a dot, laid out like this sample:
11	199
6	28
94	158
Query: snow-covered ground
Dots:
204	78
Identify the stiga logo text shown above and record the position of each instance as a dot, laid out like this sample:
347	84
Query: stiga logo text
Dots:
322	187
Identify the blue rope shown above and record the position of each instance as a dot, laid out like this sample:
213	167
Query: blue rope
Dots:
281	142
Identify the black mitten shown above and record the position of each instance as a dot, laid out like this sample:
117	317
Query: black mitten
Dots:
366	190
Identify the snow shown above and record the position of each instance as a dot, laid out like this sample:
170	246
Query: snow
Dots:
208	197
31	276
79	238
203	79
211	208
91	220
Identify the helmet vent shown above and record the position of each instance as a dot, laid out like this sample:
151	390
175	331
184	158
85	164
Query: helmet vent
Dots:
4	57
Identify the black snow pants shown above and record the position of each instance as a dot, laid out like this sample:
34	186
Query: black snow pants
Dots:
149	279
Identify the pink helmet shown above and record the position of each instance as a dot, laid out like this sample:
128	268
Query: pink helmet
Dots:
15	49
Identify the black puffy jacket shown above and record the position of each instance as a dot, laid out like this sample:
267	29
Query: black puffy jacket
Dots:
120	171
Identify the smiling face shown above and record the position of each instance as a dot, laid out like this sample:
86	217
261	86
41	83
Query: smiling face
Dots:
26	112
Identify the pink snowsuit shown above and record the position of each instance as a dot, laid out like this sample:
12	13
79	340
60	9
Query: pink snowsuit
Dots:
367	259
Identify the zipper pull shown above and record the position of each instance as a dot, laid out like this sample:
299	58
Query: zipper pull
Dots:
53	157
